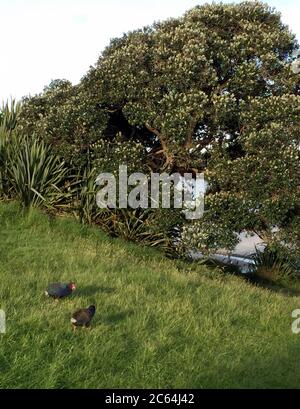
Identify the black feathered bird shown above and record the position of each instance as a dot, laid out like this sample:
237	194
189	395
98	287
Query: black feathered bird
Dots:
60	290
83	317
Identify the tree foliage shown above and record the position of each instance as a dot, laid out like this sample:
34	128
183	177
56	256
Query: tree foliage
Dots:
215	91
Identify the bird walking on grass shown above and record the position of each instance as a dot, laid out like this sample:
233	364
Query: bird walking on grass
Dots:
60	290
83	317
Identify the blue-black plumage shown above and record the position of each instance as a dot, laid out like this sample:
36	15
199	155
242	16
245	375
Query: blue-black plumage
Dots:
60	290
83	317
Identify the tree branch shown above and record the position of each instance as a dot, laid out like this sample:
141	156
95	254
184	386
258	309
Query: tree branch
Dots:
190	132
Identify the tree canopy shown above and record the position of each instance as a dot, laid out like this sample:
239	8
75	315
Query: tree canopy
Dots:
214	91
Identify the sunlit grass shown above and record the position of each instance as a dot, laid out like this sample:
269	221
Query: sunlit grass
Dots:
159	323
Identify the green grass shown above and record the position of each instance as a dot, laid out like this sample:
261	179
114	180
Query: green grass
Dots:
159	323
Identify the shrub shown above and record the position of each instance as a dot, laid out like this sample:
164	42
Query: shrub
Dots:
273	265
84	203
9	113
134	224
8	120
36	174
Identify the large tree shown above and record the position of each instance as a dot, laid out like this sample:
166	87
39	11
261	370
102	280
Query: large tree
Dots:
215	91
184	79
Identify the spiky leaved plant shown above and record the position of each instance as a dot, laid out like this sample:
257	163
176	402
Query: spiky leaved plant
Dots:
273	265
8	120
9	114
36	173
85	198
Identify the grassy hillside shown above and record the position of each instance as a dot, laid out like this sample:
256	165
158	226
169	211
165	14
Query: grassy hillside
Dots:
159	323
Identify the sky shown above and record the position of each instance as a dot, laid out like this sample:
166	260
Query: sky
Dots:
42	40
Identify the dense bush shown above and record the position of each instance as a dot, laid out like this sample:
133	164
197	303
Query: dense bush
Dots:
214	91
64	118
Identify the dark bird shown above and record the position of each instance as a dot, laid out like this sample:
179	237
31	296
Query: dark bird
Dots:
60	290
83	317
